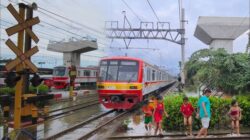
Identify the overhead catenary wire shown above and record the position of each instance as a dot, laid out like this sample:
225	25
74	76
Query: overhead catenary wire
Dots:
68	19
131	10
141	20
153	10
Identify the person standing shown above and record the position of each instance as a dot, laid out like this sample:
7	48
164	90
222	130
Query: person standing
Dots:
158	115
235	114
204	112
187	111
148	112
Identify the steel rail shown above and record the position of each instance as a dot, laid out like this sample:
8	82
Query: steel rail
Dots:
55	110
81	124
65	112
245	135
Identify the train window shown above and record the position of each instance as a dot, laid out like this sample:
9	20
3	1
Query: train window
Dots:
112	73
103	72
113	63
59	71
128	71
78	73
104	63
153	75
148	74
86	73
128	63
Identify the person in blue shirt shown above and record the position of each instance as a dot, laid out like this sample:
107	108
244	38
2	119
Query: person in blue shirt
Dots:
204	112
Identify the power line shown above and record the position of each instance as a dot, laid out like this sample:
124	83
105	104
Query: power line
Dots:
70	20
131	9
153	11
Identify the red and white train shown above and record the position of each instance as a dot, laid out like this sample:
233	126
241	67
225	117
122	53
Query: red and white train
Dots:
86	76
123	81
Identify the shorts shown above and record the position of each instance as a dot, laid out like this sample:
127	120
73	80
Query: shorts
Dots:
205	122
148	119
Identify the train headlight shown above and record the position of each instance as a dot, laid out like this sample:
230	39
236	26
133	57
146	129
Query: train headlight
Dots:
133	87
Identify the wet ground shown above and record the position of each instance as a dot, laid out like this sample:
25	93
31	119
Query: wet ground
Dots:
49	128
59	105
133	125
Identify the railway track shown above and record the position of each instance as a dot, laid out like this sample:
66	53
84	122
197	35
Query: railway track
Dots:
54	102
69	133
70	109
223	136
55	110
79	125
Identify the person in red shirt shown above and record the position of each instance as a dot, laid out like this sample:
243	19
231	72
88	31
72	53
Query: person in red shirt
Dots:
148	112
159	111
187	111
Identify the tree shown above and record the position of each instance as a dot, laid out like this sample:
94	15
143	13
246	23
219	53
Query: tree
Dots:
219	70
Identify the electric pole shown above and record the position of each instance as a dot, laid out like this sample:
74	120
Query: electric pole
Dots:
248	44
182	26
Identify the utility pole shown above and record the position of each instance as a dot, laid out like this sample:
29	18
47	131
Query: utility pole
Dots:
248	44
182	26
0	28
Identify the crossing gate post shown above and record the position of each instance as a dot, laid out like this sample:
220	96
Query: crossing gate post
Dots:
21	62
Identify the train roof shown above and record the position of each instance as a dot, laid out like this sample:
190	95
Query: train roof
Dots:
122	58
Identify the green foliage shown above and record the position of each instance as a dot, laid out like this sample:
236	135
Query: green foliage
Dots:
43	89
219	70
7	91
219	109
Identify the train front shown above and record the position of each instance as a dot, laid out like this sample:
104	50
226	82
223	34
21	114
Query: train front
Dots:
120	82
60	77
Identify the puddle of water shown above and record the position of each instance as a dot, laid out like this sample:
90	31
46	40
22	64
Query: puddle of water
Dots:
54	126
70	103
87	128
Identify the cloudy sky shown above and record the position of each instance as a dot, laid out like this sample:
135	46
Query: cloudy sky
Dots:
89	16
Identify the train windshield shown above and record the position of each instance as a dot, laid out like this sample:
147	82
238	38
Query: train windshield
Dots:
59	71
121	71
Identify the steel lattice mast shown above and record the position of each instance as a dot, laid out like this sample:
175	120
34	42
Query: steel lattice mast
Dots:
148	30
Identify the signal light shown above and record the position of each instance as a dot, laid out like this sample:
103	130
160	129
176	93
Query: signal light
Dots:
11	79
36	80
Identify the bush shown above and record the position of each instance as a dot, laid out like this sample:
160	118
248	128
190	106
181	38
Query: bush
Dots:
43	89
7	91
219	109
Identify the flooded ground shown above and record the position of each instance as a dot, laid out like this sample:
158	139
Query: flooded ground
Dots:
78	100
52	127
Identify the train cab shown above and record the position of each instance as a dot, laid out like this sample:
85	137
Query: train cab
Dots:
60	77
120	82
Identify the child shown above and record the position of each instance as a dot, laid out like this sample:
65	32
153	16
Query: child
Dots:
235	114
148	111
158	113
153	101
187	111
